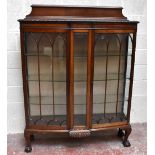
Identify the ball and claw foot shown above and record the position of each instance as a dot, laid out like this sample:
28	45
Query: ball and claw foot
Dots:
28	149
126	143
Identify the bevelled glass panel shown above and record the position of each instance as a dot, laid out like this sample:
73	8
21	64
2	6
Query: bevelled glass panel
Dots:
80	77
110	77
46	75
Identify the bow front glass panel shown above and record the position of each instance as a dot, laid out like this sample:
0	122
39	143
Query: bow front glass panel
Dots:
111	77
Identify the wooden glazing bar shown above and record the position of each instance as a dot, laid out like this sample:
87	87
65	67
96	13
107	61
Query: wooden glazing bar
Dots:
53	83
39	80
92	75
119	63
106	71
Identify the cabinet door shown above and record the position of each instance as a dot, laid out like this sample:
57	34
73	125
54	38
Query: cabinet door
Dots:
45	54
112	62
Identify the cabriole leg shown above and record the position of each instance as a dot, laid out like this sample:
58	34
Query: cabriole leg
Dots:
28	147
126	142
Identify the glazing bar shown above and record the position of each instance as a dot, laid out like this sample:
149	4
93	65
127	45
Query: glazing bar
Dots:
118	76
39	80
53	85
105	91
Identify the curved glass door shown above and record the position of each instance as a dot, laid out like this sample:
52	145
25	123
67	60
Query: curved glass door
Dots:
111	77
46	76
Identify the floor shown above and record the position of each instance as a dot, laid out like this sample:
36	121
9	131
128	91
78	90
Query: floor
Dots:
103	143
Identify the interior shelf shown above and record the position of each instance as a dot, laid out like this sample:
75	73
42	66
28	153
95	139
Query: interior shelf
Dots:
60	100
78	78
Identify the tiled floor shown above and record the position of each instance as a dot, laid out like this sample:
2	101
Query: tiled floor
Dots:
104	143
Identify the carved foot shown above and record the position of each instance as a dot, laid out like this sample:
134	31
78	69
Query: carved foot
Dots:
28	136
28	149
120	133
126	143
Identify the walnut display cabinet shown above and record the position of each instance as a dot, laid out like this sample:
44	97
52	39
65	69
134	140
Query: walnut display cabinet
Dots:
77	67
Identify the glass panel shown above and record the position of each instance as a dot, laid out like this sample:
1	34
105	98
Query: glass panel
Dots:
46	74
128	68
80	77
110	76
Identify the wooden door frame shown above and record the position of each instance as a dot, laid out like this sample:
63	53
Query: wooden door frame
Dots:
88	82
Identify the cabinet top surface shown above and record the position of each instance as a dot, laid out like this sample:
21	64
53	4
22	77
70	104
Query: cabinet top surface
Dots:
70	13
76	6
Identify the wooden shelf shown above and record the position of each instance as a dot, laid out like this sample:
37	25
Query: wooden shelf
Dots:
81	78
60	99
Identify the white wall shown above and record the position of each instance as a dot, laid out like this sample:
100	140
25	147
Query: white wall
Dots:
133	9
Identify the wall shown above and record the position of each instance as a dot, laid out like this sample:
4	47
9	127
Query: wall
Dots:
133	9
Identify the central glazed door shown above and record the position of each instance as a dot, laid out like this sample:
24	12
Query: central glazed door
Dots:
80	60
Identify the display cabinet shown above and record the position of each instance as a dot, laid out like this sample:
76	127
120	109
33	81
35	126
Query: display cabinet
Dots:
77	67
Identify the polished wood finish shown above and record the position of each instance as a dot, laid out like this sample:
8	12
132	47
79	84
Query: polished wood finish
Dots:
71	80
76	11
70	20
89	81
